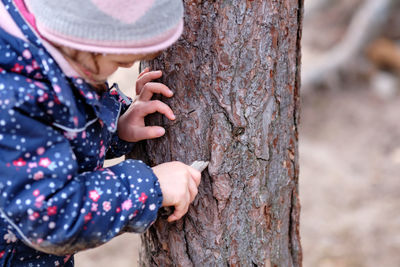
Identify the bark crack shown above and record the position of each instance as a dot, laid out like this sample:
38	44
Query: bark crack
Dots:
187	244
298	63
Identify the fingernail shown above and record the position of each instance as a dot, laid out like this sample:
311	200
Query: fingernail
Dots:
161	131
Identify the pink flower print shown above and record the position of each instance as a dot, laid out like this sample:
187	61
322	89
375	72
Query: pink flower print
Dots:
102	151
94	207
135	213
2	253
35	65
32	165
38	175
66	258
10	237
19	162
83	134
110	172
44	162
38	76
17	68
40	150
57	88
114	91
29	69
39	201
70	135
26	54
43	97
88	217
56	100
34	216
106	206
142	198
36	192
93	195
89	95
127	204
52	210
118	210
75	120
39	84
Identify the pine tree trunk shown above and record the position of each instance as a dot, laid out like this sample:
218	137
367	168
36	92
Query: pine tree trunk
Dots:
235	73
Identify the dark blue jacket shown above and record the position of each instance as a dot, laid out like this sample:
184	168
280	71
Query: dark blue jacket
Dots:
55	133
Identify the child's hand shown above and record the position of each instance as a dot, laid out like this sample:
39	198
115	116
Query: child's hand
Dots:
131	126
178	183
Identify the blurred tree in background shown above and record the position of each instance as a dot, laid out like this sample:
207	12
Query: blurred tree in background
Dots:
350	133
348	39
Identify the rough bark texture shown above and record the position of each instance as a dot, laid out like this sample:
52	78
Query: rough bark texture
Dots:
235	73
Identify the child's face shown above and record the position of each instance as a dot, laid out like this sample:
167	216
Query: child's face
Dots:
108	64
96	68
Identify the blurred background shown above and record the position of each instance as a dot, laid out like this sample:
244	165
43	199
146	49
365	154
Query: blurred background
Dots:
349	139
350	133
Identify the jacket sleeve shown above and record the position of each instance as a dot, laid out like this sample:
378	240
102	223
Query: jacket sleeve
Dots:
54	208
119	147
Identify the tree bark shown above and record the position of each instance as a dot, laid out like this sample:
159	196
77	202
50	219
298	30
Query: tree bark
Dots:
236	77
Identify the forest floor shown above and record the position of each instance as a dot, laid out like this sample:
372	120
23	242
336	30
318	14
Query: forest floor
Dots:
349	187
349	181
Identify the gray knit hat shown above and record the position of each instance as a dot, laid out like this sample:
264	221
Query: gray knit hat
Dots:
109	26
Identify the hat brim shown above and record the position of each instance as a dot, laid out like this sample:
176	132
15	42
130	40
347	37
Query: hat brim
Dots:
152	45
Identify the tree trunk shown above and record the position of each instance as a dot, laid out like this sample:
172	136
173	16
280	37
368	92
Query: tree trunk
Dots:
235	73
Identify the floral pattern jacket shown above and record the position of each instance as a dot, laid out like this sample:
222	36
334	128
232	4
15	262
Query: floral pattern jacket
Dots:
55	132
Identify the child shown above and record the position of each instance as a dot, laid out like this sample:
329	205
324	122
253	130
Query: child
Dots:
59	122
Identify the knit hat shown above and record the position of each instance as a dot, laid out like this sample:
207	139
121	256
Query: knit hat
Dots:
109	26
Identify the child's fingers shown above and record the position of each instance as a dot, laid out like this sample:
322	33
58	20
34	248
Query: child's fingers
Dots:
148	132
147	69
192	190
150	89
154	106
195	174
145	78
180	209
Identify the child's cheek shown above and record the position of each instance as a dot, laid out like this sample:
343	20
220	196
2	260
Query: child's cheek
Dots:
108	70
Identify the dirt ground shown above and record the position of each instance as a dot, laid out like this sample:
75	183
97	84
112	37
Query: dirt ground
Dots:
350	192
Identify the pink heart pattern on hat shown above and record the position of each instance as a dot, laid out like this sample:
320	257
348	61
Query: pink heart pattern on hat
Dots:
127	11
